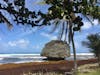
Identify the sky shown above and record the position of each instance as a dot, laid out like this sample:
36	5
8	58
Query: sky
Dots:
24	39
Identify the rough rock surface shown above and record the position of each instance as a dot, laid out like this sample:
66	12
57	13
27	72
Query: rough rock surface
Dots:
56	49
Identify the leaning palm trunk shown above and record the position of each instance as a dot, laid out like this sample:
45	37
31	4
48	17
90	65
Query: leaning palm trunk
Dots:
99	60
73	46
74	52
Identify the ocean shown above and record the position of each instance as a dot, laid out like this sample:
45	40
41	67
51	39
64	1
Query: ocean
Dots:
25	58
20	58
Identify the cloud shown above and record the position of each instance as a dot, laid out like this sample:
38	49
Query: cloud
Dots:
22	31
36	47
52	37
96	22
26	31
22	43
12	44
87	24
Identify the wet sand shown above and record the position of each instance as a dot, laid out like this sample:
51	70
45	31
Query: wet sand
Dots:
49	66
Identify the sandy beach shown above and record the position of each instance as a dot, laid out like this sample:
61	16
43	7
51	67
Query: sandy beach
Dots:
49	66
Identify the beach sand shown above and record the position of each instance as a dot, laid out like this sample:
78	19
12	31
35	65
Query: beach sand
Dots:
48	66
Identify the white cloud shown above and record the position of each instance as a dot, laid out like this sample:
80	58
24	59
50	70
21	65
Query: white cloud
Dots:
36	47
86	25
22	43
28	31
24	31
96	22
12	43
52	37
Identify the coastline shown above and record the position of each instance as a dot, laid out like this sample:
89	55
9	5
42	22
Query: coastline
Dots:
48	66
25	58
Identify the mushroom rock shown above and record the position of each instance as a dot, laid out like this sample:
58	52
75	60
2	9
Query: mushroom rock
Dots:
56	50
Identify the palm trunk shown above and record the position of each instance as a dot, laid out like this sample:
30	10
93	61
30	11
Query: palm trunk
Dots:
99	59
74	49
74	52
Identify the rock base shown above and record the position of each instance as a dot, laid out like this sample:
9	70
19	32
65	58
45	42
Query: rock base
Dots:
53	59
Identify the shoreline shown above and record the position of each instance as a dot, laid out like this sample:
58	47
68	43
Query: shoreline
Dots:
24	58
48	66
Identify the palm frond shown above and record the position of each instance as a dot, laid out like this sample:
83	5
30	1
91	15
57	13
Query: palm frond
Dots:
69	32
42	2
56	24
9	25
61	31
88	19
66	31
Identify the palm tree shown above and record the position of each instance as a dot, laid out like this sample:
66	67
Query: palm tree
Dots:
93	43
64	14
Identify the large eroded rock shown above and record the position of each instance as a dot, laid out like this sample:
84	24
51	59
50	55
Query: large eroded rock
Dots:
56	49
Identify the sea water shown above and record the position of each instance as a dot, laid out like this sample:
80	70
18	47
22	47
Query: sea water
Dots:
23	58
20	58
81	56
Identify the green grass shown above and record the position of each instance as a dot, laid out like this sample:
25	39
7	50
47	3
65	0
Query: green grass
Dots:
96	72
41	73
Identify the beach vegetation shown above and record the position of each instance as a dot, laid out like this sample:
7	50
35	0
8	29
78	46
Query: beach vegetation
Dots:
93	43
96	72
93	72
42	73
